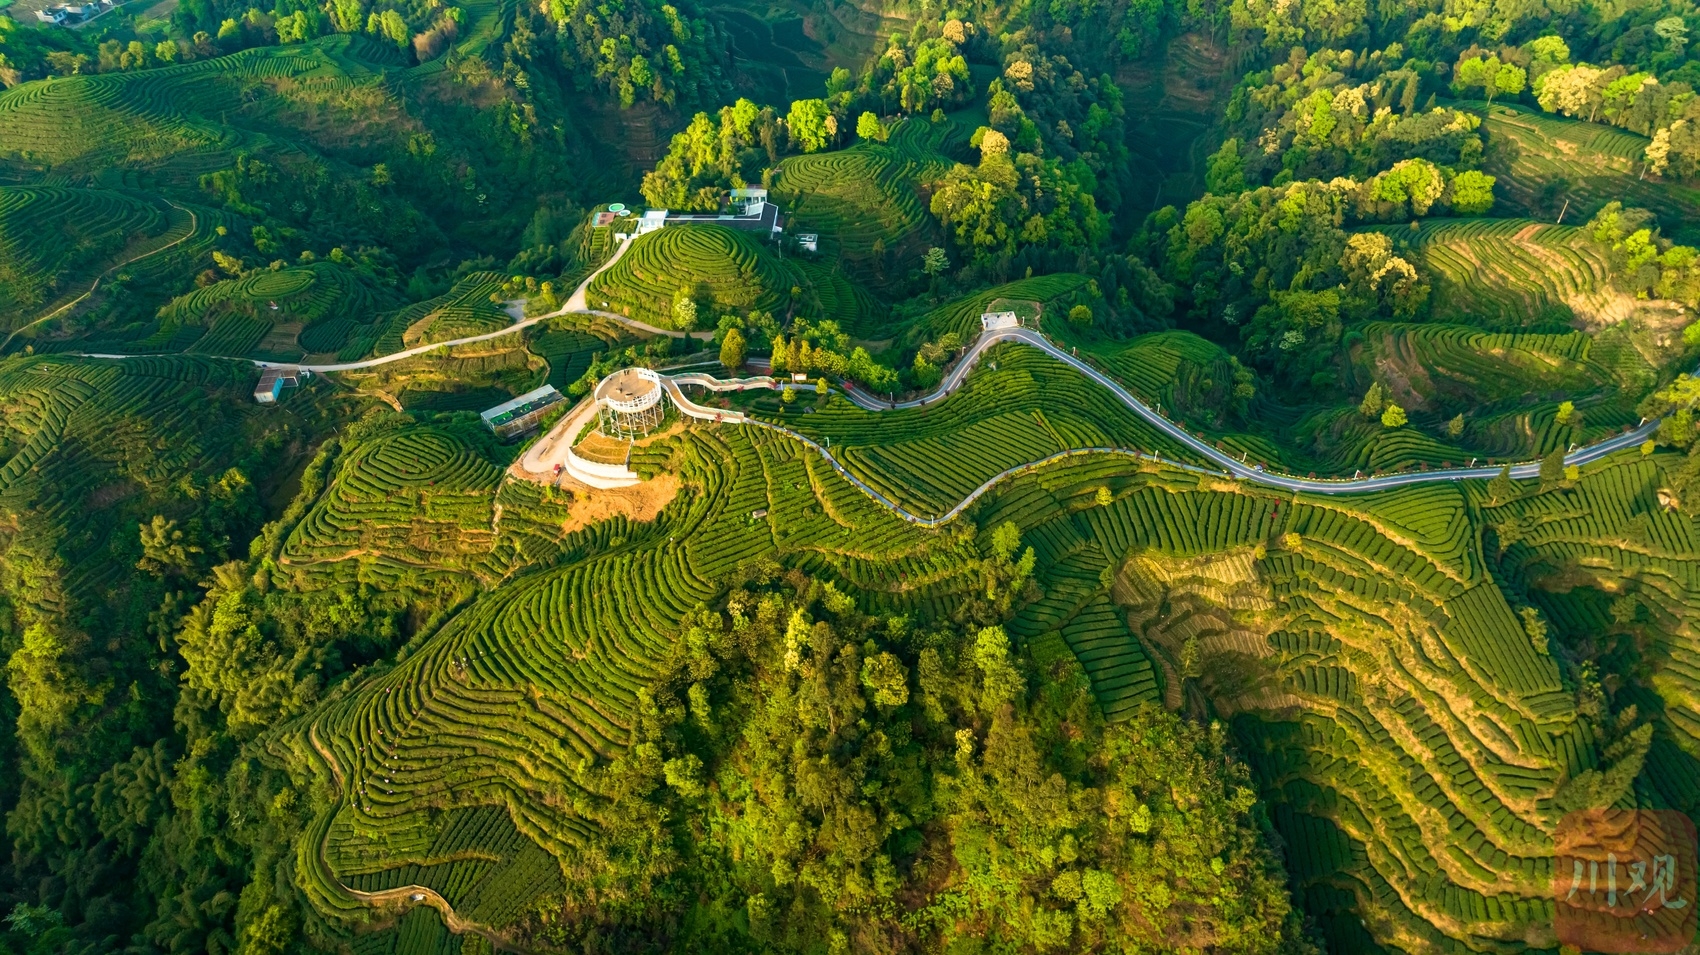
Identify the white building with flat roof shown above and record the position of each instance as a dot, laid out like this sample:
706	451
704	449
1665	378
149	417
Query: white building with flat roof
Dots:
748	210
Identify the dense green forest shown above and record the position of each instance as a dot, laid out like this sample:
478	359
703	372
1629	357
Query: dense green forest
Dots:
339	674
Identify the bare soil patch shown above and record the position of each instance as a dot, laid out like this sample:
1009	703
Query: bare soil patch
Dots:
111	494
640	502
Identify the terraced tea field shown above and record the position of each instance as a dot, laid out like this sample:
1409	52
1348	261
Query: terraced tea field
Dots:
454	379
480	864
857	196
1511	273
1482	766
1366	646
828	294
1508	385
229	318
419	932
1173	99
962	317
729	269
148	124
550	663
1491	366
1021	407
1609	539
423	497
1178	371
867	194
111	145
570	350
464	310
79	438
56	242
1542	159
1362	626
1324	636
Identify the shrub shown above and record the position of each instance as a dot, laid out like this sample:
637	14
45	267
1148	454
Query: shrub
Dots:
1472	193
869	127
732	350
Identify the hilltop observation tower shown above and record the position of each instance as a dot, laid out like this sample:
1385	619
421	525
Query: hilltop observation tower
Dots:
630	402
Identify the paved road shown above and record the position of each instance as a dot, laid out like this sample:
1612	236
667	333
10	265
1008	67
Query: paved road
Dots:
576	304
1227	463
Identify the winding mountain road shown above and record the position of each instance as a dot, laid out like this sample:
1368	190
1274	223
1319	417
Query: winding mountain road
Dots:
575	305
1229	464
958	374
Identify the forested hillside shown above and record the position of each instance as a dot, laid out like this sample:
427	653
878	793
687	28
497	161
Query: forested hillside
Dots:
1203	477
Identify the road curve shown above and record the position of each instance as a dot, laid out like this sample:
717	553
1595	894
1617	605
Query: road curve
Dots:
575	305
958	374
1231	467
578	295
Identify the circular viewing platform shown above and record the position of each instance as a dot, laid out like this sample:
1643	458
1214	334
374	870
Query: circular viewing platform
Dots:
629	390
629	402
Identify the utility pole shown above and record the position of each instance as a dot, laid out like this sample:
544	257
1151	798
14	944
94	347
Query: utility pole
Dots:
1562	211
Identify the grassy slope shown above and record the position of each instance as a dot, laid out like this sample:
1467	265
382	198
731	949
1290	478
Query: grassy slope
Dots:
1173	102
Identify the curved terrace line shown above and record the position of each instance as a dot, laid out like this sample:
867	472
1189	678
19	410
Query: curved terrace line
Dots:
1232	467
575	305
454	921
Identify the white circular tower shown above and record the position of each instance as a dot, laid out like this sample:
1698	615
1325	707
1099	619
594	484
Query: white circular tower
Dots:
629	402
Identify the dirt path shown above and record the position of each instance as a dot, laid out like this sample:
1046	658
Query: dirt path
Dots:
406	893
194	226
